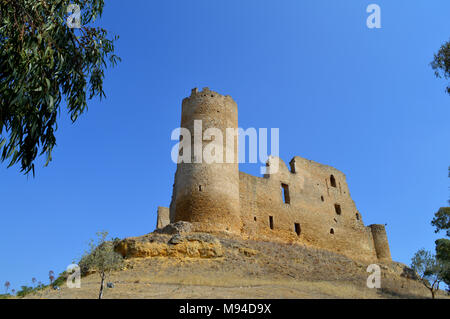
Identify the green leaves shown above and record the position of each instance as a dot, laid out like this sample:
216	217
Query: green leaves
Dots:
427	266
443	255
441	63
42	63
441	220
101	256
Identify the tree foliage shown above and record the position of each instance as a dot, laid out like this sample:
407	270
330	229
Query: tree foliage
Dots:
45	65
441	220
429	268
25	290
101	258
441	63
443	255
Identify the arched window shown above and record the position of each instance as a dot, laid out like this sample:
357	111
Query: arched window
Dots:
332	231
332	181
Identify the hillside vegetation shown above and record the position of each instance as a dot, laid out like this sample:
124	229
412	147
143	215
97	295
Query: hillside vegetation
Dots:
200	265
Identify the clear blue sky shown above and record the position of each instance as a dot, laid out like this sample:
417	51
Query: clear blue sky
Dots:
362	100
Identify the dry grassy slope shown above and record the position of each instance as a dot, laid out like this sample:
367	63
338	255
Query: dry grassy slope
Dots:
206	266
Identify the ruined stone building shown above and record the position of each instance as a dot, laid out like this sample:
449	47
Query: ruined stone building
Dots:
306	202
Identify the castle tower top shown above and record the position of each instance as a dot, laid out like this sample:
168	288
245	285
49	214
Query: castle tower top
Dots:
207	93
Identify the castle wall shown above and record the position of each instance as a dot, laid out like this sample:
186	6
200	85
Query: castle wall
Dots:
163	218
311	205
380	242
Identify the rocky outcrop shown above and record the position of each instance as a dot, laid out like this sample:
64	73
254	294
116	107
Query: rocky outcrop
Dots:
403	271
176	228
195	245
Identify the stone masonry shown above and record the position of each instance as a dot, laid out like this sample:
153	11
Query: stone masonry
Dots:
306	202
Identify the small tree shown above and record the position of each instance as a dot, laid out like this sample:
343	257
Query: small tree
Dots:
443	256
441	222
33	280
25	290
429	269
101	258
7	284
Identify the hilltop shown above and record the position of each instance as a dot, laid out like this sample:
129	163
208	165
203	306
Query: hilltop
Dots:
203	265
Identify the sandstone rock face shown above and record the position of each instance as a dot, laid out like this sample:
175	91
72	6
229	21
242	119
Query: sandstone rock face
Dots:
404	271
409	273
176	228
247	269
155	245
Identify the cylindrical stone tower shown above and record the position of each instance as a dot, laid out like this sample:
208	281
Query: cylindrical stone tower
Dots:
381	243
206	193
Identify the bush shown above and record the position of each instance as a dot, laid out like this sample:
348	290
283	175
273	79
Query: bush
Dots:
25	290
101	258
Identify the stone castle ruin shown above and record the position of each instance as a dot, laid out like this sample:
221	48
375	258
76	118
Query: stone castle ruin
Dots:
306	202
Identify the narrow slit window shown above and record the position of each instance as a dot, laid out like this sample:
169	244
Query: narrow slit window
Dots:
297	229
200	188
292	164
357	216
254	218
285	191
332	181
271	222
337	208
322	199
